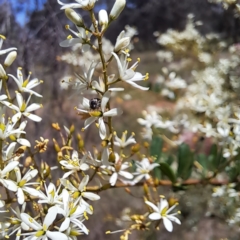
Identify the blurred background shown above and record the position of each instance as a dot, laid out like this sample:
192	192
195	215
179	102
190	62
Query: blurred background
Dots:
36	27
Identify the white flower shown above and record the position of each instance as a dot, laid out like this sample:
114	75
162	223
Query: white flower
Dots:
129	75
81	191
23	109
75	164
52	197
23	184
19	136
41	231
119	171
17	222
99	114
151	119
84	4
26	85
219	191
143	169
83	37
8	129
72	211
99	162
123	142
161	211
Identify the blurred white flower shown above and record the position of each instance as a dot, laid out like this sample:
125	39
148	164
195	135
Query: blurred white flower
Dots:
23	183
119	171
41	231
74	164
23	109
26	85
123	141
143	170
162	211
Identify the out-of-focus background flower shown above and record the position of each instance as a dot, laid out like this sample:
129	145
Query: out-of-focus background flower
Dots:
191	49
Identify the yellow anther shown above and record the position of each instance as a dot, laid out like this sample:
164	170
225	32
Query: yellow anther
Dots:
3	37
67	27
69	37
129	59
85	215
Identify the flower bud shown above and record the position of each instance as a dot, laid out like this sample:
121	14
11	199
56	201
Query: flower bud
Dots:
74	17
103	18
88	5
122	42
117	9
10	58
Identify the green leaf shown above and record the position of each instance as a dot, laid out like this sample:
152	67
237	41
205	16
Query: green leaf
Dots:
203	161
156	151
167	171
156	147
185	161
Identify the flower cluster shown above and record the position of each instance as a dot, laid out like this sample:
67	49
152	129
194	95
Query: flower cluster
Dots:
58	206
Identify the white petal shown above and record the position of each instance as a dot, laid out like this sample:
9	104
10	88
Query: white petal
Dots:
84	167
16	117
83	183
70	42
65	225
2	203
105	100
80	225
126	174
32	191
168	224
24	142
102	128
33	107
19	98
153	206
137	86
154	216
119	64
9	167
174	219
20	196
33	117
91	196
30	221
138	178
56	235
113	179
89	121
113	112
50	217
